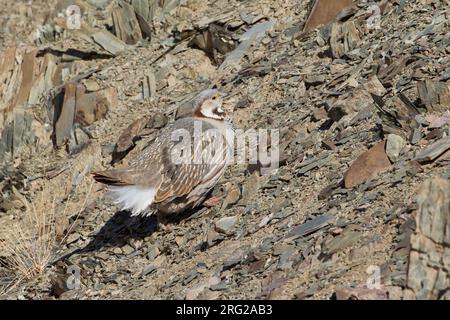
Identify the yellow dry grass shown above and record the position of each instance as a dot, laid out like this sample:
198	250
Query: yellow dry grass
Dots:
29	245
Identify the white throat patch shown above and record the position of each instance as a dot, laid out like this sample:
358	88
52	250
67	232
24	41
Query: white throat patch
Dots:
209	114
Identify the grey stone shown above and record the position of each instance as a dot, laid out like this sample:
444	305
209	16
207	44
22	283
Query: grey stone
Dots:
226	225
428	267
394	145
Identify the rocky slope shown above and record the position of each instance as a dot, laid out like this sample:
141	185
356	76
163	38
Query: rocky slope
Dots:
359	207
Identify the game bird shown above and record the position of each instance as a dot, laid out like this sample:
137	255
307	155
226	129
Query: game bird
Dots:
181	166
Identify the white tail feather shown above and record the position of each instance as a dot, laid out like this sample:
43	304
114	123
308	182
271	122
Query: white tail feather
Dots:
133	198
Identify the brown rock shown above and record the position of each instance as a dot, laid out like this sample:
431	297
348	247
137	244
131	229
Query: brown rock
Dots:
319	114
85	106
128	137
211	202
91	107
324	12
28	66
387	74
107	99
233	196
344	38
434	95
367	165
361	293
374	86
328	145
63	125
434	151
126	24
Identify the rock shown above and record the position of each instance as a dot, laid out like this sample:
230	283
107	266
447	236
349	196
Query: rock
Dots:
258	266
434	151
314	80
226	225
434	134
17	134
328	145
337	112
434	95
156	264
232	197
213	201
324	12
438	121
344	38
310	226
416	135
361	293
375	87
63	125
213	237
308	292
313	163
250	189
131	134
91	85
126	24
59	284
127	249
149	86
272	282
319	114
195	292
247	39
152	252
90	107
108	42
73	237
83	108
159	120
346	239
367	165
288	258
190	276
79	139
394	145
238	256
429	259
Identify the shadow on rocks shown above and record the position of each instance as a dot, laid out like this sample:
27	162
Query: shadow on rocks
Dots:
122	227
119	229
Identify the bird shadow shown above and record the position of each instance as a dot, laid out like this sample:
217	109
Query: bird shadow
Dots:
122	227
119	229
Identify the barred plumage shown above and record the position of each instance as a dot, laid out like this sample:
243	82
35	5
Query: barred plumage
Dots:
173	174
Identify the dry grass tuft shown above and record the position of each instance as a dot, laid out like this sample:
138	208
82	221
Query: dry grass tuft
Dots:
29	245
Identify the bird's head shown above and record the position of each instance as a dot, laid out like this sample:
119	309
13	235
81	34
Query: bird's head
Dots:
209	104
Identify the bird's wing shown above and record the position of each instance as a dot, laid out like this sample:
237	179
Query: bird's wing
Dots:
159	166
180	179
127	177
145	169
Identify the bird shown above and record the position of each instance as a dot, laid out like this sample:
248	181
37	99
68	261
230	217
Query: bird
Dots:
180	167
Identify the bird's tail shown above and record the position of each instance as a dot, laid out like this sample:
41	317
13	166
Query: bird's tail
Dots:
112	177
125	190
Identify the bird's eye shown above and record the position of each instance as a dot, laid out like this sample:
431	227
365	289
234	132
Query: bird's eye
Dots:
214	98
